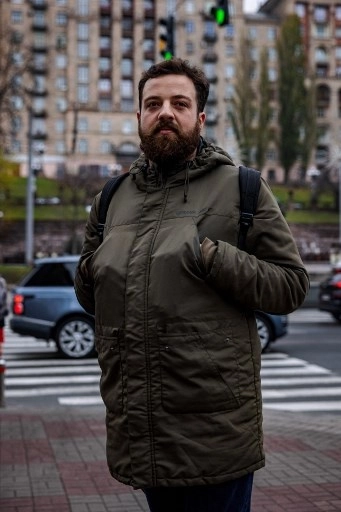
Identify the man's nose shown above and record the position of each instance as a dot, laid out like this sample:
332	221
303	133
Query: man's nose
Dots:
166	110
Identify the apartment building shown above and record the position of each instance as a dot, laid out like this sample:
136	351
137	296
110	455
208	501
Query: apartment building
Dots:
87	58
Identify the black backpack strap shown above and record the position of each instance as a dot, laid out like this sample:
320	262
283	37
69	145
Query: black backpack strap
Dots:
249	185
108	191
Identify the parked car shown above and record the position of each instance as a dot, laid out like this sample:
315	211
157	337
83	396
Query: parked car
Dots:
330	293
44	305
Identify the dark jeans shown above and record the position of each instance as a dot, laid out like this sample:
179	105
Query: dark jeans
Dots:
233	496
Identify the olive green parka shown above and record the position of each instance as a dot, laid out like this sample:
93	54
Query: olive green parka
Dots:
178	348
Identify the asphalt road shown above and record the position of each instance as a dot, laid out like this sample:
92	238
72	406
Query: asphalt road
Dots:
313	336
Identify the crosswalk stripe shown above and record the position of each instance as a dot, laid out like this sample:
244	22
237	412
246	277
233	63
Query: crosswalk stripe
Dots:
81	400
61	390
303	392
301	381
36	381
307	369
323	406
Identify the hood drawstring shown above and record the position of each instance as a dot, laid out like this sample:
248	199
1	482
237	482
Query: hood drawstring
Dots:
186	184
142	169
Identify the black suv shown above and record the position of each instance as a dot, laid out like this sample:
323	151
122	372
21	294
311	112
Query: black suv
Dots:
44	305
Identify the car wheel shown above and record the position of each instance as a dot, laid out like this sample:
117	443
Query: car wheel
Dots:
75	338
337	317
264	332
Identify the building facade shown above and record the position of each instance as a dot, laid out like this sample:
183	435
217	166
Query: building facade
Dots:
87	58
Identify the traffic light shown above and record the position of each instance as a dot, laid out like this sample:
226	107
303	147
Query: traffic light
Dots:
220	13
166	38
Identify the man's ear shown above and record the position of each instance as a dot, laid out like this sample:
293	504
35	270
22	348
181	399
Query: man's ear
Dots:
202	118
138	115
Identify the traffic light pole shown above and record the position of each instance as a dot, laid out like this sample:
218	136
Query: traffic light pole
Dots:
29	196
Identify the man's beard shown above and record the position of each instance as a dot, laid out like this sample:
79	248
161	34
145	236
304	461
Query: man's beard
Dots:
169	149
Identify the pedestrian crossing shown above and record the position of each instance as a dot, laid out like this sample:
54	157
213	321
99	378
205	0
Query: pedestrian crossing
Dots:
292	384
34	371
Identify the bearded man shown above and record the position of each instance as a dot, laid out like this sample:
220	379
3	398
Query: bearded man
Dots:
174	300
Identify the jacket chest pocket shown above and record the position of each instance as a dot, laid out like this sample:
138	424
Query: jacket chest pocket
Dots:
111	362
199	373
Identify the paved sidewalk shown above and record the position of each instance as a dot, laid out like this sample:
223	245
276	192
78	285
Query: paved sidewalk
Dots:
53	460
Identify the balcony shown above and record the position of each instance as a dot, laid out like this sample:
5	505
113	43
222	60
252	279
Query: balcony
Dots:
210	57
39	26
39	135
210	37
39	4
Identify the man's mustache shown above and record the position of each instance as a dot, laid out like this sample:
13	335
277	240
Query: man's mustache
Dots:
164	125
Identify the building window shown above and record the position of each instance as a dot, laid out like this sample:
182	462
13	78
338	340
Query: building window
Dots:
321	31
338	12
126	88
61	83
229	31
105	147
83	125
61	104
253	33
320	14
105	126
147	63
104	64
127	105
60	125
148	45
83	49
189	27
126	44
190	47
105	43
16	17
272	54
83	74
83	7
61	61
61	19
83	93
300	10
105	105
39	40
104	85
61	41
229	50
127	126
271	34
83	146
272	74
229	71
127	67
83	31
338	52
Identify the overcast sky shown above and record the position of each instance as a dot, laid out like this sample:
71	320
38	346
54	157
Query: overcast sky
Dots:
251	5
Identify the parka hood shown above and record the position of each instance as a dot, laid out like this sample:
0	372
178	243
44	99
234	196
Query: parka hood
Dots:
208	158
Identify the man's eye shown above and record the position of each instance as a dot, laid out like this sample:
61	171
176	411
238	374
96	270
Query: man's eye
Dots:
152	104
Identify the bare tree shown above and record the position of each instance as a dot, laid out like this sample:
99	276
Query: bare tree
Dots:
243	109
263	132
15	60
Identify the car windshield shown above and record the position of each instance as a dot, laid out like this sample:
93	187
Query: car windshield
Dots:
52	274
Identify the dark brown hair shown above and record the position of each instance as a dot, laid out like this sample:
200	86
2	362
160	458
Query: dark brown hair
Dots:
178	66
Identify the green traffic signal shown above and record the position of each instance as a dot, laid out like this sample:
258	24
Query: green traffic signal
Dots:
167	55
220	16
220	13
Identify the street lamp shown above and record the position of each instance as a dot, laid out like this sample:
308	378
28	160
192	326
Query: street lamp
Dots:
29	196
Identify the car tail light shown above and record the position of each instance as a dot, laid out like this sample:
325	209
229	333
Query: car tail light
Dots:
18	305
337	285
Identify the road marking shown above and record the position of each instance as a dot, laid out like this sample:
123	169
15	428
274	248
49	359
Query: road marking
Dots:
38	381
61	390
303	392
81	400
306	369
323	406
301	381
